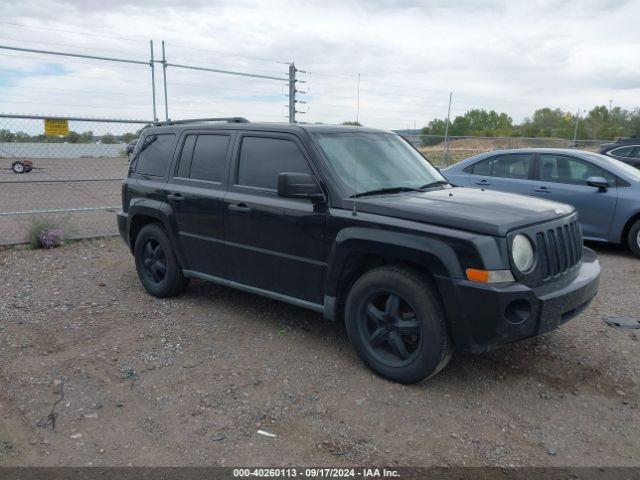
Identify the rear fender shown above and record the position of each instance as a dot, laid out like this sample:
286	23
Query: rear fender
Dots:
163	212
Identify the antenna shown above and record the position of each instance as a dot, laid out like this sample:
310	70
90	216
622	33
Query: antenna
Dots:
355	185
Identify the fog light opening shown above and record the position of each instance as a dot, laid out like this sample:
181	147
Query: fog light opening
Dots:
518	312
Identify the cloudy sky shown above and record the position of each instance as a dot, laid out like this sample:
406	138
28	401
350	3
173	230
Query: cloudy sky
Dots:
510	56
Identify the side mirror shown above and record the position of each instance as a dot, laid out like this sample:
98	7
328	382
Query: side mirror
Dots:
299	185
599	182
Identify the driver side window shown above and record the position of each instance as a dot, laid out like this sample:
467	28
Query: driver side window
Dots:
569	170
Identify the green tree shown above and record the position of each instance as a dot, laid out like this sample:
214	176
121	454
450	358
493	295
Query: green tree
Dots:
73	137
435	127
22	137
598	122
86	137
6	135
108	138
127	137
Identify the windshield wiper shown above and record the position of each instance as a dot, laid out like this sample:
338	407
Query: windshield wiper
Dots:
380	191
434	184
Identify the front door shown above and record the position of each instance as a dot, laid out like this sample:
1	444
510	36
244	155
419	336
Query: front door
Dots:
273	243
563	178
195	192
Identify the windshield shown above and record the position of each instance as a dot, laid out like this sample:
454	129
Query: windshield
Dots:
377	161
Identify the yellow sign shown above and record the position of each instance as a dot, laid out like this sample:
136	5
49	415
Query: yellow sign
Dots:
55	126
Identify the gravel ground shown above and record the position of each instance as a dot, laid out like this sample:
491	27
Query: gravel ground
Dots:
190	380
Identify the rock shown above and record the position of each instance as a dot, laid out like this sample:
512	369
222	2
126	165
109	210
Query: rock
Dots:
552	451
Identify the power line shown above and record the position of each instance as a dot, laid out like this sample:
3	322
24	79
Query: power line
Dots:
76	32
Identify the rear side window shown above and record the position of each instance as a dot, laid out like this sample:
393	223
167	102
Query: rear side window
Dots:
514	166
623	151
483	167
156	156
263	159
184	165
203	157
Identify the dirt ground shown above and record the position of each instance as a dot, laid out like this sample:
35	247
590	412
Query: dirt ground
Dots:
191	380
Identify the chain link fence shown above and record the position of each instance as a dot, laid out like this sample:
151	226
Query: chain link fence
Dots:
443	151
70	182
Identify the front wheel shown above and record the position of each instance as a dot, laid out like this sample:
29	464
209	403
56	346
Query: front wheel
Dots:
17	167
634	238
396	324
156	263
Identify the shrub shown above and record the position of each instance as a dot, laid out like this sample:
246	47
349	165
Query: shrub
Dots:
44	233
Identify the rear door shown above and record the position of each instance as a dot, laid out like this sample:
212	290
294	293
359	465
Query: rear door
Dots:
195	192
508	172
563	178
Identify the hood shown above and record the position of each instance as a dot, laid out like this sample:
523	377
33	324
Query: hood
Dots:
483	211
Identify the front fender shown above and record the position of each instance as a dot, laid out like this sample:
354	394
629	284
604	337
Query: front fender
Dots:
435	255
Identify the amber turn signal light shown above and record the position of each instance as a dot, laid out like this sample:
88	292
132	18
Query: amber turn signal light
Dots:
489	276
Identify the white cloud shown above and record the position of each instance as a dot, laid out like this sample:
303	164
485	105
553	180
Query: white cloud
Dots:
509	56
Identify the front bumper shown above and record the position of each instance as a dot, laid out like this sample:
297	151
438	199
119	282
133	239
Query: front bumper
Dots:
485	316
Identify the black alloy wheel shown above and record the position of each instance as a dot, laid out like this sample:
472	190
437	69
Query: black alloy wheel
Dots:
390	328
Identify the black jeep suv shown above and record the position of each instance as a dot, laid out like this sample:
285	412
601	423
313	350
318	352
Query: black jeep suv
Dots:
353	223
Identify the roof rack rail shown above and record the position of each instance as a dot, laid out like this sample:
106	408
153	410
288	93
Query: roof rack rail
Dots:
197	120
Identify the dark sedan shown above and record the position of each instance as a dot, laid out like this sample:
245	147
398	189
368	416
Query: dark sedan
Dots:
605	192
626	150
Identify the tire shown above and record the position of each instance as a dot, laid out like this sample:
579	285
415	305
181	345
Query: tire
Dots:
634	238
378	325
156	263
17	167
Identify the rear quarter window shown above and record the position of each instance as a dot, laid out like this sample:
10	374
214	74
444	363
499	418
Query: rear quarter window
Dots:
156	156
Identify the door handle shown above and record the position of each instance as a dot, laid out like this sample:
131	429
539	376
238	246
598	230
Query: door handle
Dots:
240	208
542	190
483	182
176	197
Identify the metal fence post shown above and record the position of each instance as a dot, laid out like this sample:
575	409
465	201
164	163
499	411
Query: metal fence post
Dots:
292	93
446	132
164	78
153	82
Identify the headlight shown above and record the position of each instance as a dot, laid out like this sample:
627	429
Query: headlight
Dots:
522	252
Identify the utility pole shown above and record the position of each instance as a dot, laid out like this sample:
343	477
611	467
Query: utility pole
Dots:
610	104
164	77
446	132
575	133
292	93
153	82
358	101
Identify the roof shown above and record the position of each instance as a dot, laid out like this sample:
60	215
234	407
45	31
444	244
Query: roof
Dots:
611	164
262	126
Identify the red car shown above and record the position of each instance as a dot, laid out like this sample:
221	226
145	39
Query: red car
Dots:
22	166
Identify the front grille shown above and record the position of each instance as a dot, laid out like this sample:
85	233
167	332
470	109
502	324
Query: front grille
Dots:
559	249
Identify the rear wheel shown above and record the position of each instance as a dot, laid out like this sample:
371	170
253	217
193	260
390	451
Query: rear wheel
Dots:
156	263
396	324
634	238
17	167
